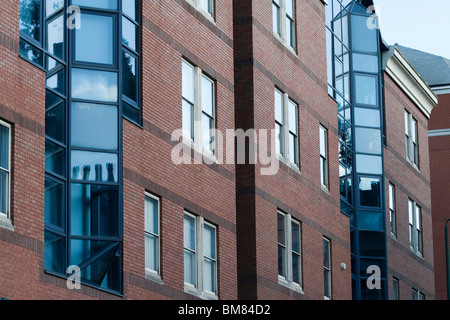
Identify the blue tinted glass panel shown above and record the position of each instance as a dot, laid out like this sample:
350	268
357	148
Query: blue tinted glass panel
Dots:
54	197
101	4
30	18
55	252
365	63
368	140
94	85
369	164
51	6
55	158
372	243
364	38
369	191
94	166
56	82
94	126
366	90
129	7
129	78
55	36
94	210
367	117
371	220
130	112
55	122
129	33
94	40
4	147
30	52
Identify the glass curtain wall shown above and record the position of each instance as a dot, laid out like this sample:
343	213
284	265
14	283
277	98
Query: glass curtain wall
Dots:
90	52
354	78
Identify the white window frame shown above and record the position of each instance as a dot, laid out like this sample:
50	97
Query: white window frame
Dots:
282	20
5	217
411	139
285	131
415	227
395	289
327	295
392	210
287	280
197	4
417	295
197	141
199	256
324	156
154	275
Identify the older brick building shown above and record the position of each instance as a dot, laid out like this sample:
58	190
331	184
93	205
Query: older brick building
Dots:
187	149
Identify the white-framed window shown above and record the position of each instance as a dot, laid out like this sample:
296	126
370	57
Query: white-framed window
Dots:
286	127
283	20
411	138
417	295
415	227
395	289
392	214
323	132
5	170
152	237
198	108
204	6
326	268
289	251
200	257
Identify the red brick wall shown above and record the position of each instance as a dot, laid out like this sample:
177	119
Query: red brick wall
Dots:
410	183
440	185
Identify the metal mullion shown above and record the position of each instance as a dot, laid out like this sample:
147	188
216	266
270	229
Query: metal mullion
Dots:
60	144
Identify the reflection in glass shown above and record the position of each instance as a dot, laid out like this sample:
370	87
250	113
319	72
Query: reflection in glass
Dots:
367	117
54	195
365	63
130	112
94	126
52	6
189	250
371	243
56	82
368	140
366	89
51	64
55	122
369	190
94	166
371	220
94	85
55	158
369	164
30	18
55	36
30	52
101	4
94	40
129	33
55	251
130	8
129	79
363	38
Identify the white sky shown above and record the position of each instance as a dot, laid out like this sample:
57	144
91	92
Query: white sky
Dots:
419	24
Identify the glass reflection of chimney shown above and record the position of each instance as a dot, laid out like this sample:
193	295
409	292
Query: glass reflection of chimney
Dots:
110	168
75	172
86	172
98	172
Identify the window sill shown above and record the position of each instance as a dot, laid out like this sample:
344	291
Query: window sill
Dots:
286	45
6	223
153	276
203	12
290	164
205	295
290	285
415	166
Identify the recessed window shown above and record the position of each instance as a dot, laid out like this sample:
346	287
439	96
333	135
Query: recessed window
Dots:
200	257
198	107
289	251
323	133
204	6
5	169
395	289
412	151
286	127
415	227
326	268
392	210
152	236
283	15
100	4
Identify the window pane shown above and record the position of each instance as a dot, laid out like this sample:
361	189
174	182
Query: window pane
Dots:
30	18
367	117
290	8
151	252
94	126
293	149
54	195
189	267
278	107
369	164
366	90
363	38
370	220
30	52
326	254
208	132
189	232
323	141
281	229
129	7
209	241
56	82
94	85
292	117
369	189
368	140
129	77
209	275
188	120
281	261
4	147
52	6
372	243
276	18
206	5
55	37
296	264
151	215
51	64
295	229
279	139
4	193
188	82
207	96
365	63
94	210
130	112
55	253
101	4
129	33
55	158
94	166
94	40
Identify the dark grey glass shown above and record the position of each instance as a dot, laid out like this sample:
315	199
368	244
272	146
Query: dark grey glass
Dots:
55	252
4	147
94	40
101	4
51	100
54	195
371	220
129	78
372	243
94	210
94	166
30	18
31	53
364	39
56	82
129	33
55	36
94	126
130	112
55	158
369	192
55	122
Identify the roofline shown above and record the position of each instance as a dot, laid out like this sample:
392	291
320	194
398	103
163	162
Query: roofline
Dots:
411	83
